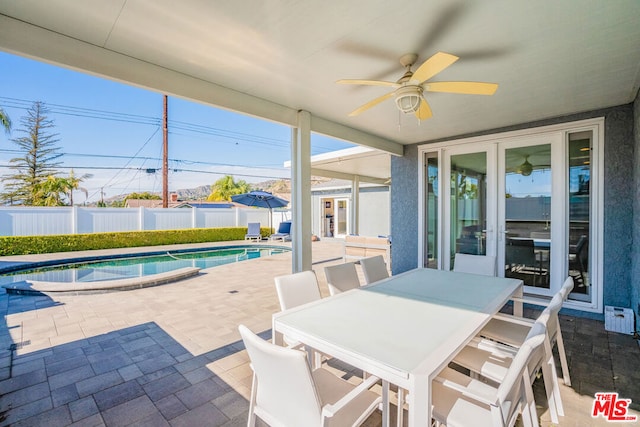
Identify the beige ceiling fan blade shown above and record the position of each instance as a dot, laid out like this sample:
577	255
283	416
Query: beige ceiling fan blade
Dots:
471	88
370	104
424	111
367	82
433	66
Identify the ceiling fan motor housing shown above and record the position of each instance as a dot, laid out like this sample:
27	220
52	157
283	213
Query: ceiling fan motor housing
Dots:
408	98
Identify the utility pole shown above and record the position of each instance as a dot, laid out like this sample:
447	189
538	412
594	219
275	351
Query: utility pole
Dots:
165	155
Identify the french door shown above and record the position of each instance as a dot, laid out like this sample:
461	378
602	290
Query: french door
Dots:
525	198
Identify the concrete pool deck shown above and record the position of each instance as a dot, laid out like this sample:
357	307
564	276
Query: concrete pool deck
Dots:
171	355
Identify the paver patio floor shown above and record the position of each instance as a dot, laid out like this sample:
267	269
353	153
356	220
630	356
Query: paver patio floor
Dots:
170	355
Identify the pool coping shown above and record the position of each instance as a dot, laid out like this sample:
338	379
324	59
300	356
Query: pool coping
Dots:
41	287
35	287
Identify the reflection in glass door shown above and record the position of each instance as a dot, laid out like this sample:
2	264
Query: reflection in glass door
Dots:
579	189
468	207
527	214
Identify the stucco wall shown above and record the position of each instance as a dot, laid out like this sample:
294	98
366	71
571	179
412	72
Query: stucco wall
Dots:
620	197
635	262
404	210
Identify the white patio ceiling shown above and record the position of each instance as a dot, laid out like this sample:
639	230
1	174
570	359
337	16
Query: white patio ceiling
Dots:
272	58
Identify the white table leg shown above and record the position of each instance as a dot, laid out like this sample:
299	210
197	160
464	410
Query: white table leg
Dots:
419	401
385	403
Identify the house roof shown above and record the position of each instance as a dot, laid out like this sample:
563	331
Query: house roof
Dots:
148	203
209	205
270	60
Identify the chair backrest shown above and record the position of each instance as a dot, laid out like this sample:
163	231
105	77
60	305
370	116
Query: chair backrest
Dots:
284	227
520	252
511	392
475	264
374	269
567	287
297	289
286	393
253	228
341	277
551	311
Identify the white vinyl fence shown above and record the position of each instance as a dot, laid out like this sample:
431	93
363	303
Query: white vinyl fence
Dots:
32	221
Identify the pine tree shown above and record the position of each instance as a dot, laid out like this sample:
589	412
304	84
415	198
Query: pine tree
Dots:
38	159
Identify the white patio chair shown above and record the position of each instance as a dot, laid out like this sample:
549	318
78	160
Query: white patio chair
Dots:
374	269
297	289
341	277
460	401
253	231
475	264
511	330
492	360
294	290
286	392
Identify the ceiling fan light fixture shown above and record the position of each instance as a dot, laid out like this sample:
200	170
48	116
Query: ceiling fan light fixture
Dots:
526	168
408	98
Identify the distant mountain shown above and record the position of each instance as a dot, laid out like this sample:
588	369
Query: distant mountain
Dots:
198	193
279	187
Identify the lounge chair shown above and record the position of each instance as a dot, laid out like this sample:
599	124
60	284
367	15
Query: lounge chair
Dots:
253	231
284	232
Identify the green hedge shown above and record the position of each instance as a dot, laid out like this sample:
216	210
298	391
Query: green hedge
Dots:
22	245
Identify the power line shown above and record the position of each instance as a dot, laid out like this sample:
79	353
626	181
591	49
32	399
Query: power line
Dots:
150	120
115	156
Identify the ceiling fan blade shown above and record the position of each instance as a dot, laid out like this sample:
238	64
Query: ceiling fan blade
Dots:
424	112
471	88
433	66
370	104
367	82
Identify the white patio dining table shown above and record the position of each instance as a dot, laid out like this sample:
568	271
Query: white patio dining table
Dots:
403	329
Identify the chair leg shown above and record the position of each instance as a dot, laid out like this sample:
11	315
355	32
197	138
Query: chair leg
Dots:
549	388
563	357
529	400
251	422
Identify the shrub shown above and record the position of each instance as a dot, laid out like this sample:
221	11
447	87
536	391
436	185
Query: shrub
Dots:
23	245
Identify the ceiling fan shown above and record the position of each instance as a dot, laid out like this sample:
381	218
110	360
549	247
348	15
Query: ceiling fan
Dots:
410	88
525	168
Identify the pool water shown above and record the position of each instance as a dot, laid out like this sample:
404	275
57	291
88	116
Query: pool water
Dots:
138	266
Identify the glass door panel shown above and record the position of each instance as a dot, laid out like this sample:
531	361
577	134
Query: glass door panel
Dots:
579	213
468	204
527	214
341	216
431	258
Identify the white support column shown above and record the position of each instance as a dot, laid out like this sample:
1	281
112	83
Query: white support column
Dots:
355	205
301	193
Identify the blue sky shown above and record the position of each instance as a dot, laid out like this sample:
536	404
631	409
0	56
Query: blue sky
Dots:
113	131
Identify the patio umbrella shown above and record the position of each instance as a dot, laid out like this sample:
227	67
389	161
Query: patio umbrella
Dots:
260	199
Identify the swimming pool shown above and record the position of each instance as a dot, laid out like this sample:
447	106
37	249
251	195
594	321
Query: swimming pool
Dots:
119	269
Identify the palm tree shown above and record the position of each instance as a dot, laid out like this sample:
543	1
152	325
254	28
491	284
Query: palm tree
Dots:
74	184
5	122
226	187
48	192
